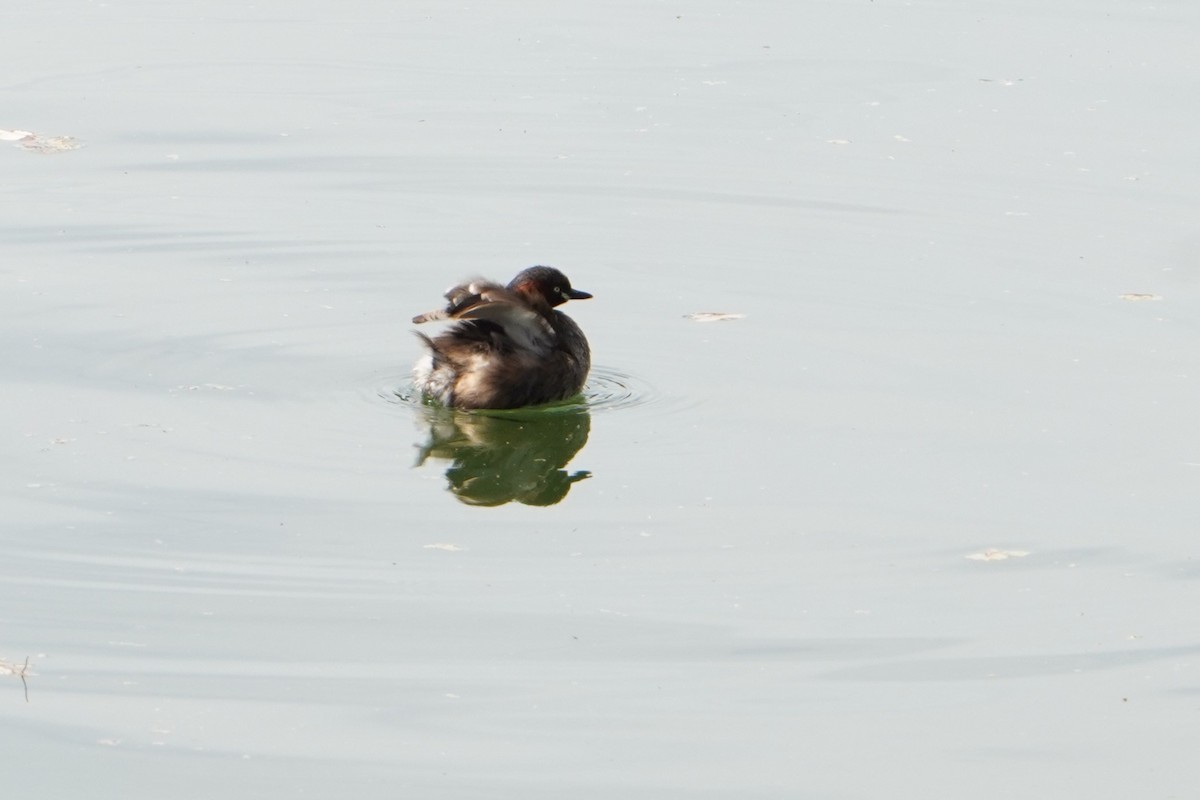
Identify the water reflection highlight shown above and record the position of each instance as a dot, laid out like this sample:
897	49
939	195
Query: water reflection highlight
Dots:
500	457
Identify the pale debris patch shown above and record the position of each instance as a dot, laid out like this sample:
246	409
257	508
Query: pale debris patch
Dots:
447	546
1137	297
216	387
992	554
10	668
712	316
37	143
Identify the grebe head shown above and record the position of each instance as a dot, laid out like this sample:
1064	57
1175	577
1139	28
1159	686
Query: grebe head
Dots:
545	283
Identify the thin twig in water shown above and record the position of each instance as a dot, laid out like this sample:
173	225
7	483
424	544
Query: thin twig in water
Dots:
21	672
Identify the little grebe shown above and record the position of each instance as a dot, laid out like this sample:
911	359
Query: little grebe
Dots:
509	347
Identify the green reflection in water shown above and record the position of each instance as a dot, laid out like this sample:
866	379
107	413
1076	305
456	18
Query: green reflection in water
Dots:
500	457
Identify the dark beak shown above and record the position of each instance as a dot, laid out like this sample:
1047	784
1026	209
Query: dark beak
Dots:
575	294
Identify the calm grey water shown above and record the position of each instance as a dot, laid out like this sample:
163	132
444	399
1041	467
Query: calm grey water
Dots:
920	523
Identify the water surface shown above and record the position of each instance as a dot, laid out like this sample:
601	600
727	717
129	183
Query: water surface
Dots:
762	561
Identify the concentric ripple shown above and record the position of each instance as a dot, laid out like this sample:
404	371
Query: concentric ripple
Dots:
608	388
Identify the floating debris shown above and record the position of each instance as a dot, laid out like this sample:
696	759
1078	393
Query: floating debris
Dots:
992	554
712	316
216	387
1138	297
28	140
447	546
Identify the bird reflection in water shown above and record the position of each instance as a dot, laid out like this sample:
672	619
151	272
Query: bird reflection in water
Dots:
504	456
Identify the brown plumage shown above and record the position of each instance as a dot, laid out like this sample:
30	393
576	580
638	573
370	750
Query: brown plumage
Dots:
509	347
